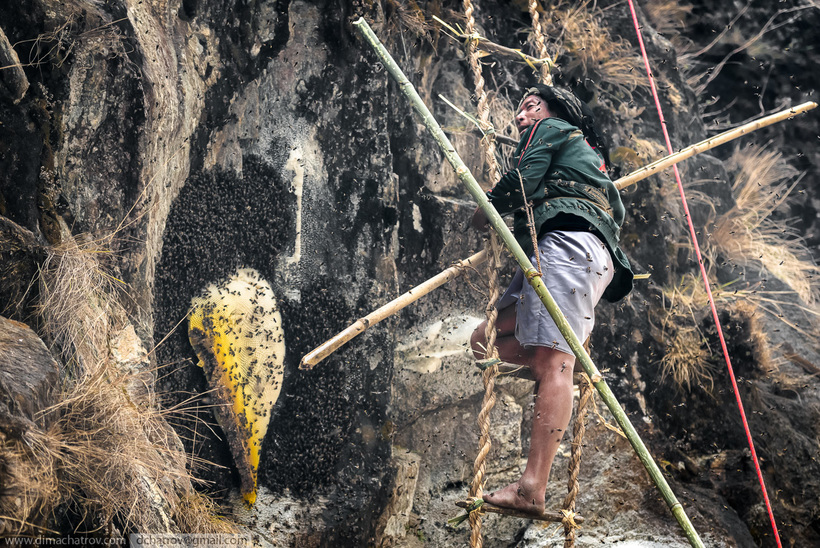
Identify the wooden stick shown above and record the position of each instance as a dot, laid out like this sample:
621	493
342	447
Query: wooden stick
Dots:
546	515
489	45
328	347
503	139
712	142
479	130
531	274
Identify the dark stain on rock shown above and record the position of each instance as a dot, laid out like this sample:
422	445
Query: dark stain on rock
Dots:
236	42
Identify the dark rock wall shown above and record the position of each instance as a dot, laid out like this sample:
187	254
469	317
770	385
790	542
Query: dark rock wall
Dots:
765	54
214	134
762	73
28	376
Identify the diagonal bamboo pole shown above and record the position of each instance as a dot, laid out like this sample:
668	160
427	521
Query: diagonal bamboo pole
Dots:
532	276
312	358
712	142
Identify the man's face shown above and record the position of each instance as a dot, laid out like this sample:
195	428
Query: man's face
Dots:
532	109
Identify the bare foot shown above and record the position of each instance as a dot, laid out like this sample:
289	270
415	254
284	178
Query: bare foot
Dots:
518	497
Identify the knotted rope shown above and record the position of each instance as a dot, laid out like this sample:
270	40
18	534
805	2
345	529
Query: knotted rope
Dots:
578	430
494	250
482	101
546	78
488	376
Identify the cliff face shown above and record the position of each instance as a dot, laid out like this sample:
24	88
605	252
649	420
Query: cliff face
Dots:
211	135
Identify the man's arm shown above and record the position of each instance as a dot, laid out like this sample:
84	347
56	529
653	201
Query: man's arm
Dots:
530	168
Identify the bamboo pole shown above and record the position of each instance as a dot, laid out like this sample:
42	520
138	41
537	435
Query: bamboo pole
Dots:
503	139
325	349
532	276
483	131
712	142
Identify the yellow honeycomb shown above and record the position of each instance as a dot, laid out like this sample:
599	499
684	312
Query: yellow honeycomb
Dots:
236	330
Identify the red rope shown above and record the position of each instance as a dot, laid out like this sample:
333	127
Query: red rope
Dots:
703	275
532	132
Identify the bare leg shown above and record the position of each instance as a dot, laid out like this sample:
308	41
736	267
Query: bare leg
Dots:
552	370
504	327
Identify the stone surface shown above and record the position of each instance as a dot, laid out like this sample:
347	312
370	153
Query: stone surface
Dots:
20	255
128	352
13	77
395	520
281	519
282	187
28	373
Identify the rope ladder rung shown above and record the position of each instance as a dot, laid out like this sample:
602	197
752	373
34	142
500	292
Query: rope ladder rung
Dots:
547	515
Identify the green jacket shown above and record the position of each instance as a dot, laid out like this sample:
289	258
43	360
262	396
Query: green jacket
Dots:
566	180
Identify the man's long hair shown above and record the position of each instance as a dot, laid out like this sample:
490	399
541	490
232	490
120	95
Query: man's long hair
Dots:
566	105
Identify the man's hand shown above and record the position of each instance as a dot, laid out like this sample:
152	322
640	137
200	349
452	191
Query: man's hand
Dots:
479	220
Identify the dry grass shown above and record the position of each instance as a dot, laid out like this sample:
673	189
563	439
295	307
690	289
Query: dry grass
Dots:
748	313
77	303
110	458
647	150
747	234
668	18
31	487
197	513
108	453
406	15
400	23
586	50
115	451
686	359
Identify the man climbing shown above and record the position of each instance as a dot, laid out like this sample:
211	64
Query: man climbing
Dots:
561	162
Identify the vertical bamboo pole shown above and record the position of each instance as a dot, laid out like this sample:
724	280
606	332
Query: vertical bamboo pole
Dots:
532	276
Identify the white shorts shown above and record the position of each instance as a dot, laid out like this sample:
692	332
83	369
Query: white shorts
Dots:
577	268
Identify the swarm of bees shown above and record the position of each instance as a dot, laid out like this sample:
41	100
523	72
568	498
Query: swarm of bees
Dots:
236	330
